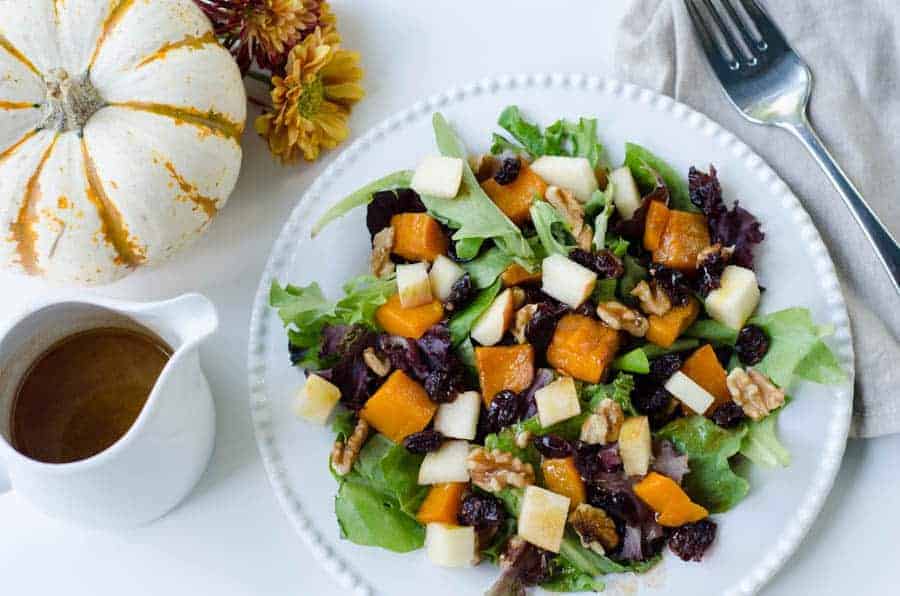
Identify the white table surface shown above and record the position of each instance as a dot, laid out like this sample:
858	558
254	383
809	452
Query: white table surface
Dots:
230	537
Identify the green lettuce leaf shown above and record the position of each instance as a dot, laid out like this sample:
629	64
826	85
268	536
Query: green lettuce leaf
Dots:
371	518
680	345
362	196
601	220
563	137
605	290
461	323
634	361
634	273
643	163
761	444
711	481
577	139
619	391
305	310
487	267
552	229
712	331
796	349
343	424
472	213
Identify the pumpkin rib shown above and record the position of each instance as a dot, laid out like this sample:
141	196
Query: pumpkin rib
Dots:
113	17
22	229
15	146
17	105
112	225
194	42
208	205
212	121
15	53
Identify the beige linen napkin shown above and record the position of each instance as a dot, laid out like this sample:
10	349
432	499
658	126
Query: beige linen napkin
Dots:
853	49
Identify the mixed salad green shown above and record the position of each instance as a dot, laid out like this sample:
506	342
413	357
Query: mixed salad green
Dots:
555	365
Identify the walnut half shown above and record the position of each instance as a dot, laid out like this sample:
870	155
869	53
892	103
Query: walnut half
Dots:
382	244
343	456
756	394
568	207
596	530
495	470
618	316
654	300
603	426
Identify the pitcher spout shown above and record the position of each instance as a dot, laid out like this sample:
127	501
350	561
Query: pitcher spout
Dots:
184	321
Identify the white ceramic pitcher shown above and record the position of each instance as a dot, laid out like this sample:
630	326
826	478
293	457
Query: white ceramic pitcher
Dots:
157	462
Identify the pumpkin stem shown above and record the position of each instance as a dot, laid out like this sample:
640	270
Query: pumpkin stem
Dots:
71	101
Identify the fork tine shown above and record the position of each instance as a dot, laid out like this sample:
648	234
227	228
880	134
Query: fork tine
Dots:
730	40
706	36
769	32
746	34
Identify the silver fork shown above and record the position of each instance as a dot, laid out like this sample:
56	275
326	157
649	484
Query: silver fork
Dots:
770	84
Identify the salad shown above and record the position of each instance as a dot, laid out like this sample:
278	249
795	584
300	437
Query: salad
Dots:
554	364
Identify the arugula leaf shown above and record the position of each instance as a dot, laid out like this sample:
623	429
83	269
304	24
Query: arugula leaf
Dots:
493	550
343	424
371	518
461	323
634	361
591	564
711	481
487	267
616	244
500	144
680	345
568	578
581	137
761	444
796	349
605	290
362	196
552	229
644	166
634	273
472	213
305	311
563	137
712	331
505	440
619	391
601	221
528	134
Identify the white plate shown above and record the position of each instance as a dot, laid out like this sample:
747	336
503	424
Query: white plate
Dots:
755	538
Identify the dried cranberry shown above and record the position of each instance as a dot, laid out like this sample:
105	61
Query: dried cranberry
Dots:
461	293
728	415
505	409
654	401
553	446
508	172
424	442
690	541
540	329
604	263
752	344
664	367
595	462
673	282
443	384
387	203
723	355
481	511
617	503
710	273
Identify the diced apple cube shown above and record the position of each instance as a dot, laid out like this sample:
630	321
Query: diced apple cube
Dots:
575	174
566	280
689	392
496	320
438	176
444	273
451	546
447	464
635	446
458	419
413	285
625	192
735	299
316	399
542	518
557	401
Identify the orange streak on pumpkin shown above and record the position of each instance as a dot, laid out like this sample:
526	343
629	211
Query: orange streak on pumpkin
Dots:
207	204
15	146
118	8
14	51
213	121
194	42
23	232
16	105
112	225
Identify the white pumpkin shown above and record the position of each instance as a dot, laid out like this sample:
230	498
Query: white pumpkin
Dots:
120	124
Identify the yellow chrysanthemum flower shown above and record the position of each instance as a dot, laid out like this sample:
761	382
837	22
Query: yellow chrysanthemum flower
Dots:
277	24
311	103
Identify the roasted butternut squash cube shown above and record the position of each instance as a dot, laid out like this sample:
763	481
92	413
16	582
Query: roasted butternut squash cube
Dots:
442	503
655	225
665	329
582	347
685	236
562	477
504	367
515	199
673	506
399	408
408	322
704	368
418	237
516	275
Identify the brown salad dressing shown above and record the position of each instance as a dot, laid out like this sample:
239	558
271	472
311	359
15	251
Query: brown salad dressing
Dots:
84	393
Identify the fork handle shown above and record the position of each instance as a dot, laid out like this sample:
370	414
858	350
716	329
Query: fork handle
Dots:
885	246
